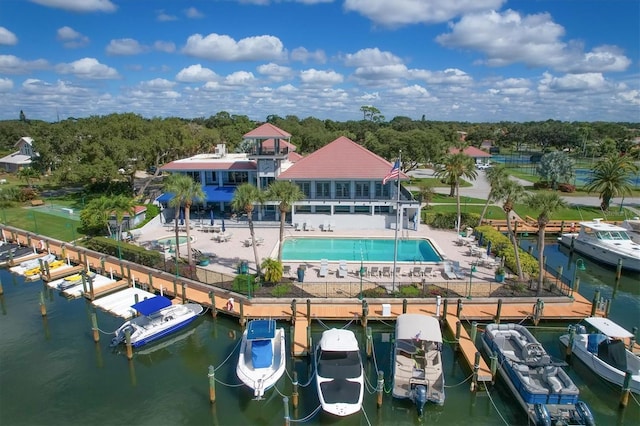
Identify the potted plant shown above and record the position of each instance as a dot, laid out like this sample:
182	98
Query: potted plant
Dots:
500	274
203	261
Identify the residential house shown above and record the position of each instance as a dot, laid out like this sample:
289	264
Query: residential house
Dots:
21	158
480	156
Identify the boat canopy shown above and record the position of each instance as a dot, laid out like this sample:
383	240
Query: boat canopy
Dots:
608	327
261	353
261	329
338	340
418	327
151	305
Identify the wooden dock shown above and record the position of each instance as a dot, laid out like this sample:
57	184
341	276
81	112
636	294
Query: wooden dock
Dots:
468	349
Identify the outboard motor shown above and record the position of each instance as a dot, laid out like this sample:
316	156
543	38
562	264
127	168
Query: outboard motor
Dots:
420	397
585	414
543	418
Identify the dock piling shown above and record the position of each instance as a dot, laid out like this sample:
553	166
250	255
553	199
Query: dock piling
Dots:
476	367
309	343
458	328
287	419
127	339
1	289
294	310
632	340
493	360
626	389
538	308
309	310
498	312
474	331
365	313
94	327
212	298
380	388
184	293
444	310
404	306
242	319
369	342
212	384
294	394
595	302
459	311
43	307
438	303
293	339
572	337
618	275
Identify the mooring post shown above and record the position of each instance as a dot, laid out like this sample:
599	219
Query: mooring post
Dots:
294	311
184	293
595	302
294	394
537	311
43	307
150	277
292	333
309	310
369	342
380	387
632	339
309	343
214	310
365	313
493	360
573	241
498	312
242	320
91	290
476	367
607	306
94	327
127	339
136	298
618	275
175	287
572	337
562	227
458	328
438	303
459	308
404	306
129	280
445	307
212	384
285	402
474	331
626	389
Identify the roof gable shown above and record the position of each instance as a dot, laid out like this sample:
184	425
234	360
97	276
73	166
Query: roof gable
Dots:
340	159
471	151
266	131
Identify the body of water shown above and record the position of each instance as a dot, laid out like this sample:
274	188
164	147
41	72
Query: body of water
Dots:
358	249
51	371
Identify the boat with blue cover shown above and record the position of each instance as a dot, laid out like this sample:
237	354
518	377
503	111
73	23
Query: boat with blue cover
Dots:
262	359
158	318
543	389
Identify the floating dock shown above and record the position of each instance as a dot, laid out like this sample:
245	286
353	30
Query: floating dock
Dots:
119	304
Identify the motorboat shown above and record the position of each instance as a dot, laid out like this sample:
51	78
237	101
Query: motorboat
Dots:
633	227
262	359
339	372
74	280
14	253
34	273
158	318
543	389
33	263
417	373
605	243
603	347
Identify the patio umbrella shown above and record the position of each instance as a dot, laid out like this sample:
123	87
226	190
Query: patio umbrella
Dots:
211	217
181	217
480	239
222	226
489	248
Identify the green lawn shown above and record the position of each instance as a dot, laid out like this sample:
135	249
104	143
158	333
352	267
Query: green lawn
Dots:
32	220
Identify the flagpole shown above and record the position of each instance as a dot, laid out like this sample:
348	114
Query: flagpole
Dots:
395	239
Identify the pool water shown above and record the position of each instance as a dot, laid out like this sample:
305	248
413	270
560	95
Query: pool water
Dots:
358	249
171	241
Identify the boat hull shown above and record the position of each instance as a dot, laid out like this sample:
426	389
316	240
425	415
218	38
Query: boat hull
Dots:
262	379
601	254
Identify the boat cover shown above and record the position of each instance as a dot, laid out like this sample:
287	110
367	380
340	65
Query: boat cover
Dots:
151	305
261	329
593	340
418	327
613	352
608	327
261	353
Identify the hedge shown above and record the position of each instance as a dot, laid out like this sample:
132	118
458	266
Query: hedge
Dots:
502	247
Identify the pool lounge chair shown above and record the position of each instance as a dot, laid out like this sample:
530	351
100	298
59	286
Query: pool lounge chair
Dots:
375	271
296	226
416	272
325	226
324	268
286	270
386	271
342	270
332	226
448	272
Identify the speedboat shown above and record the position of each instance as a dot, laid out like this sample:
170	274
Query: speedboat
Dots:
543	389
34	273
605	243
417	373
33	263
13	253
262	359
339	372
158	318
603	349
633	227
74	280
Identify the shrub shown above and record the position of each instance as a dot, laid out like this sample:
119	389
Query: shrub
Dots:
242	282
567	187
501	246
443	220
27	194
374	292
543	184
408	291
281	290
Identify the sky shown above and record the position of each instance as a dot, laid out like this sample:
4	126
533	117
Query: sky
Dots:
449	60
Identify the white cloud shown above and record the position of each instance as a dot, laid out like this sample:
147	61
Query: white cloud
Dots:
275	72
300	54
414	91
573	82
6	84
88	68
161	16
405	12
125	47
239	78
217	47
7	37
370	58
70	38
534	40
196	74
160	84
193	13
448	76
164	46
630	96
79	5
315	77
381	73
10	64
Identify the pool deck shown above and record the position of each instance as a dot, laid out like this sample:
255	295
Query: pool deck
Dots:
229	253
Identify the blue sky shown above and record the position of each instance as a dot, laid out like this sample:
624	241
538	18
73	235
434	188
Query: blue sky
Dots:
460	60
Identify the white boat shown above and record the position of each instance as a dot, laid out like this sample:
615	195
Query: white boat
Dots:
417	371
633	227
602	346
339	372
543	389
34	263
605	243
158	318
262	359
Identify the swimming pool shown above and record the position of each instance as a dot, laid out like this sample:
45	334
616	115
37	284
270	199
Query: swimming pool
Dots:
171	240
358	249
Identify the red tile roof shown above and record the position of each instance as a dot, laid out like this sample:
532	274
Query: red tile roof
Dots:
471	151
340	159
270	144
206	165
266	131
294	157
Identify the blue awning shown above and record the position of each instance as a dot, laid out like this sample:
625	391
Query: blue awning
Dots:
261	329
213	194
149	306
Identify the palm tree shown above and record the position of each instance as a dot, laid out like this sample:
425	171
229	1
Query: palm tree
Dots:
244	199
287	193
426	192
121	205
511	192
186	191
95	215
273	270
547	203
611	178
27	174
452	168
496	176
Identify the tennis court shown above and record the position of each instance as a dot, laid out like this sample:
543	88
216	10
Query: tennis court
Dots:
58	210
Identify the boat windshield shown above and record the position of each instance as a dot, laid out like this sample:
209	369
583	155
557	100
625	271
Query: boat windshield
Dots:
612	235
339	364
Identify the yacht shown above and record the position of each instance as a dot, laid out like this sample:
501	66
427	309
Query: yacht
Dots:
605	243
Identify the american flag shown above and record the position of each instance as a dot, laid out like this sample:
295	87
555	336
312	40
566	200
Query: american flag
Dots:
394	173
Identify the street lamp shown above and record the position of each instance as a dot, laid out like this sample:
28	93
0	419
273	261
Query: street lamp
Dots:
361	274
471	271
579	266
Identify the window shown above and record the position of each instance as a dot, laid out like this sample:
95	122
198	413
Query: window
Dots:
362	189
302	209
305	187
341	209
323	190
237	178
210	177
194	175
382	191
363	209
323	209
343	190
